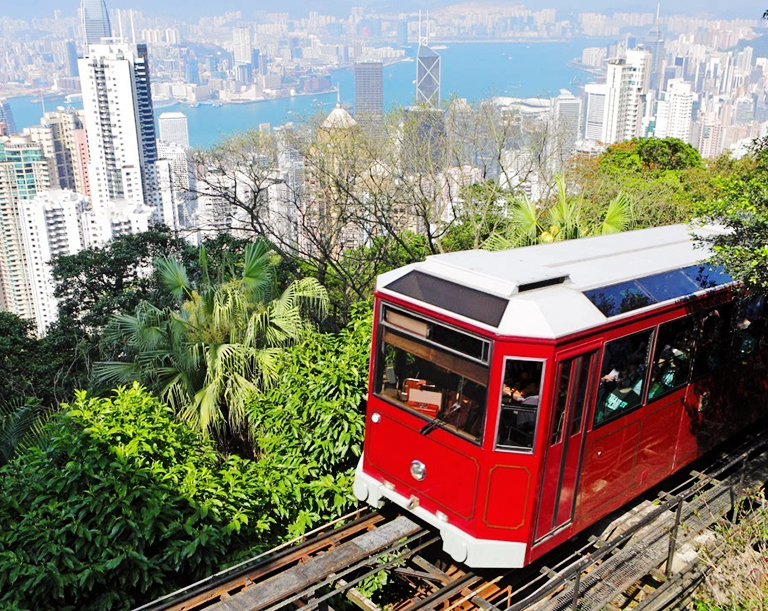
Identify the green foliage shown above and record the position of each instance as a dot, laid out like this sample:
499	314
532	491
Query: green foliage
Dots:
309	428
222	342
21	426
650	155
120	505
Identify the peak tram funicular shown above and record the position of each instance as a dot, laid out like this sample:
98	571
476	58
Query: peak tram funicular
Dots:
517	397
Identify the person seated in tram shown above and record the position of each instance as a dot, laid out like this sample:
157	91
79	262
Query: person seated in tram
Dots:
523	390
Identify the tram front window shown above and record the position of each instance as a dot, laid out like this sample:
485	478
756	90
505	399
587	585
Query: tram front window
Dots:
519	404
438	384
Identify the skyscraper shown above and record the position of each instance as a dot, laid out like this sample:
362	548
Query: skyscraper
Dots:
241	45
95	21
120	122
427	77
595	125
567	119
23	174
627	82
427	71
6	118
674	111
173	128
369	86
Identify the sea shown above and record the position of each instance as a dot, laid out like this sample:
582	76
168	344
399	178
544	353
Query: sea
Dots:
471	70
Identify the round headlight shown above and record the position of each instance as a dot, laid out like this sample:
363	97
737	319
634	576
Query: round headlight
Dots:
418	470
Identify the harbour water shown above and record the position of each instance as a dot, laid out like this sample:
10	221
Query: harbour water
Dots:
469	70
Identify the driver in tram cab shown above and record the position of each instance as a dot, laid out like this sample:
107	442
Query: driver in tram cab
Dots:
524	391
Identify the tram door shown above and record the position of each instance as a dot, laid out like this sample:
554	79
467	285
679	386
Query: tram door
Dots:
574	381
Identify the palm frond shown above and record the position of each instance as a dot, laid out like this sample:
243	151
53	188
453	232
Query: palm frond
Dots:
257	269
618	214
173	277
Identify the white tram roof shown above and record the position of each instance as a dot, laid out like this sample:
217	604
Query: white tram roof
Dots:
552	290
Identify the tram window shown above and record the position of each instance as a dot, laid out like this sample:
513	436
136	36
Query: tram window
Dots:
672	359
713	340
749	333
564	378
519	404
625	362
619	298
581	393
432	382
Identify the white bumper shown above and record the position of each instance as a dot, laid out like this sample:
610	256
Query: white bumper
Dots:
476	553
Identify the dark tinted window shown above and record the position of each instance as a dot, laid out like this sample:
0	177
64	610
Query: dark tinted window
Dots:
672	358
625	362
450	296
749	333
668	285
713	340
519	403
564	378
619	298
581	392
707	276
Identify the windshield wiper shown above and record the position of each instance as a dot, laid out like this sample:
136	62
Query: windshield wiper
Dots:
437	421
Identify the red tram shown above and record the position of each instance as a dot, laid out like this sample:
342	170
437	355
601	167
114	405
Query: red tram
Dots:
517	397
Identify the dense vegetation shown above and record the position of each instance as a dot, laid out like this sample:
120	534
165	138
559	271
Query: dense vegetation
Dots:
193	406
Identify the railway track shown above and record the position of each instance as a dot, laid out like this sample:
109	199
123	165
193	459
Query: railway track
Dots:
649	558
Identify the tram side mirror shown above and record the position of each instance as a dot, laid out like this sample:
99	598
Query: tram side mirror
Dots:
704	401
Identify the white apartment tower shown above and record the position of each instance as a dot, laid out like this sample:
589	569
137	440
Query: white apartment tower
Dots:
627	82
173	128
674	111
50	227
242	46
177	183
567	119
23	174
120	122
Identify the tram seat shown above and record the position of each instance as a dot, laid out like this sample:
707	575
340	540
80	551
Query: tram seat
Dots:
422	396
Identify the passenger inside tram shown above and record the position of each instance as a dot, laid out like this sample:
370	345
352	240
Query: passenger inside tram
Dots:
519	404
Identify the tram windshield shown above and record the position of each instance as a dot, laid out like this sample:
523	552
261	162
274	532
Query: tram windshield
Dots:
435	371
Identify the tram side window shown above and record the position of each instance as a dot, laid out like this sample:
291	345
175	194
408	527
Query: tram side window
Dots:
519	403
749	333
673	356
438	385
713	340
625	362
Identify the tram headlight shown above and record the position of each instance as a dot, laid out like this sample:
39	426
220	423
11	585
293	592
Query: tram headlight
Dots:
418	470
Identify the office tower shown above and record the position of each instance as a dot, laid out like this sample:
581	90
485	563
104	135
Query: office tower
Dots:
6	118
71	64
427	77
244	73
369	84
674	111
596	122
176	182
23	174
241	45
120	122
427	71
567	119
61	135
402	32
95	21
50	228
173	128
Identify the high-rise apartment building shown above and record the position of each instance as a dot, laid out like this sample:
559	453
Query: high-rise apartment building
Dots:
7	124
627	82
94	21
23	174
427	77
369	89
50	228
241	45
177	184
173	128
674	111
120	122
61	134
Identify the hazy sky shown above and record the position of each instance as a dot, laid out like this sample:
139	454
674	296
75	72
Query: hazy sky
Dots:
197	8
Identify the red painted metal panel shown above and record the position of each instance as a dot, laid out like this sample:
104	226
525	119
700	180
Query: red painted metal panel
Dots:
509	497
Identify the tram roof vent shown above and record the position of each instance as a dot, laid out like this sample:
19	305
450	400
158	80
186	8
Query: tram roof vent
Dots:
540	284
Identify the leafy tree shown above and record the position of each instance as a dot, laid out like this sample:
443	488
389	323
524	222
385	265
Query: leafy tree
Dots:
20	358
121	504
21	425
309	428
565	218
219	345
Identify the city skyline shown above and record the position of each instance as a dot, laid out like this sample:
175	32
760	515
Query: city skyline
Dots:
201	8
